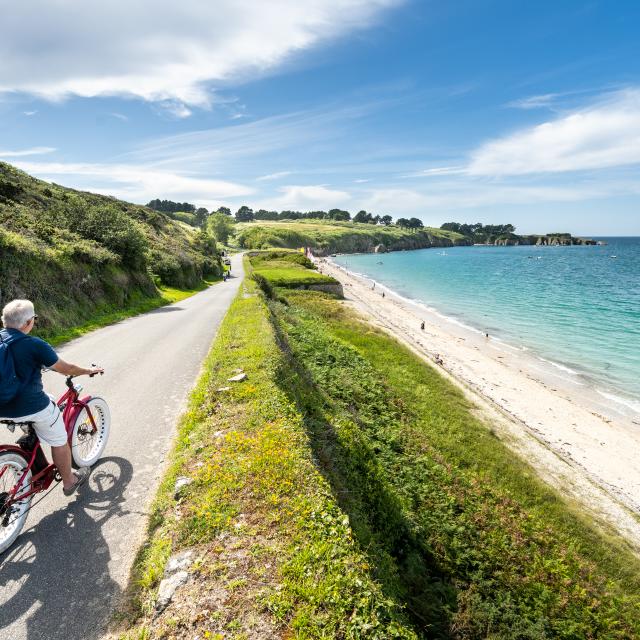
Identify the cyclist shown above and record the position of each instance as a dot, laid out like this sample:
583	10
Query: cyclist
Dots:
31	403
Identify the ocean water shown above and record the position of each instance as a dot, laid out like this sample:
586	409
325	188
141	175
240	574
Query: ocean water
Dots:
578	308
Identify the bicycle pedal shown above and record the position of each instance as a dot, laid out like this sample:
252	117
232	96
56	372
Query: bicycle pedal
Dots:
57	477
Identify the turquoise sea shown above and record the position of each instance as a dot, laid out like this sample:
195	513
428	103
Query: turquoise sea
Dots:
576	307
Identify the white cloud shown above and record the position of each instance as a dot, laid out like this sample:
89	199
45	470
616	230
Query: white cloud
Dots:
34	151
29	113
136	183
161	50
308	198
601	136
274	176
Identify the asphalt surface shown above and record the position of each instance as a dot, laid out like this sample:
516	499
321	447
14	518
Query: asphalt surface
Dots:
64	573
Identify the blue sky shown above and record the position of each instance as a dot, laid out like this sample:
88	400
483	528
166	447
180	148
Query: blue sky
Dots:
483	110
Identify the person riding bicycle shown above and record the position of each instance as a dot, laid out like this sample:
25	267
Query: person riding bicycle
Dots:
31	403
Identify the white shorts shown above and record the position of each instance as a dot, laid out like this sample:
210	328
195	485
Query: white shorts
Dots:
48	425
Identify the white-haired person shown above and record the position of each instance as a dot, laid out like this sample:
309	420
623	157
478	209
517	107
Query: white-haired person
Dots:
30	403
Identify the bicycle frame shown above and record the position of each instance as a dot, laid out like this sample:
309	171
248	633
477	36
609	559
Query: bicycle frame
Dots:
71	405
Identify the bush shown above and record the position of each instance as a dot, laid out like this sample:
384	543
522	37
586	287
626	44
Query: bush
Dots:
111	227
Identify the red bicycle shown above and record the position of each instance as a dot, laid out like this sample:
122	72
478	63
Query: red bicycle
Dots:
24	468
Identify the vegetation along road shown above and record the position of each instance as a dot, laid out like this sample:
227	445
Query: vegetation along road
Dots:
72	562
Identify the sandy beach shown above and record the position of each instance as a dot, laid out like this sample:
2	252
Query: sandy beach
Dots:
574	440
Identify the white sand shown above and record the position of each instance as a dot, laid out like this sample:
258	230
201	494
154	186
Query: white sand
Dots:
575	442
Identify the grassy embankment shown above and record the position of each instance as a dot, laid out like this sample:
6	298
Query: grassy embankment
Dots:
86	260
284	268
347	490
339	237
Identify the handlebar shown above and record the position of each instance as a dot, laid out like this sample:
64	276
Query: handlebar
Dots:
69	379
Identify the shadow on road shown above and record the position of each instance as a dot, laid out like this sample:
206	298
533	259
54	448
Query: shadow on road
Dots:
166	309
56	575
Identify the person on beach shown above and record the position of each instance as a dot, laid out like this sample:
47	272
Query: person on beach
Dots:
438	359
383	294
422	325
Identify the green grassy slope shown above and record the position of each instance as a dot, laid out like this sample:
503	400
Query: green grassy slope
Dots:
286	269
340	237
79	255
347	490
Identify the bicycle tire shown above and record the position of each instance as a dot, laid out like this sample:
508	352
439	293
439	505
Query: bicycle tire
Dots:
16	519
87	449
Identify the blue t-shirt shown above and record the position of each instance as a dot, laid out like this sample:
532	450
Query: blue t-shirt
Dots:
29	356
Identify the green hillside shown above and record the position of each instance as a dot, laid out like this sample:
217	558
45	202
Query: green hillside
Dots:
78	255
326	237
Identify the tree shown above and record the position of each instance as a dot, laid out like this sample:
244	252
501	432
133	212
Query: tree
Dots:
386	220
289	215
362	216
168	206
201	216
415	223
339	214
403	223
220	226
244	214
316	215
224	210
263	214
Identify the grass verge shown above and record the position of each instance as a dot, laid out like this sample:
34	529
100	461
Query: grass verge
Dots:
275	555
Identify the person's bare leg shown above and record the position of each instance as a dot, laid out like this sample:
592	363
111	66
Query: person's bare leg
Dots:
62	459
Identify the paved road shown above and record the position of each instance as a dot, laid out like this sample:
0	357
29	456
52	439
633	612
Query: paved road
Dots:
72	561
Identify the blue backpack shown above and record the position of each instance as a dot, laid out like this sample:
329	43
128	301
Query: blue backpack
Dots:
9	381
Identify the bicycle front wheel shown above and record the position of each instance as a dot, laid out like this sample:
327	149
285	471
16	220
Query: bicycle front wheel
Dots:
12	514
87	443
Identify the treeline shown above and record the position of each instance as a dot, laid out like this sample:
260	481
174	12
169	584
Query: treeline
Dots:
198	217
246	214
479	232
168	206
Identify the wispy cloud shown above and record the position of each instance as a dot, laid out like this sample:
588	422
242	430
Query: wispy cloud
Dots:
183	49
119	116
29	113
543	101
438	171
604	135
34	151
274	176
246	145
137	183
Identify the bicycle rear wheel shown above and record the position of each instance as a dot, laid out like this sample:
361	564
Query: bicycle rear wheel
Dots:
13	515
87	445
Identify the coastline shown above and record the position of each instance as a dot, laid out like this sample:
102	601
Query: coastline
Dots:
582	446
